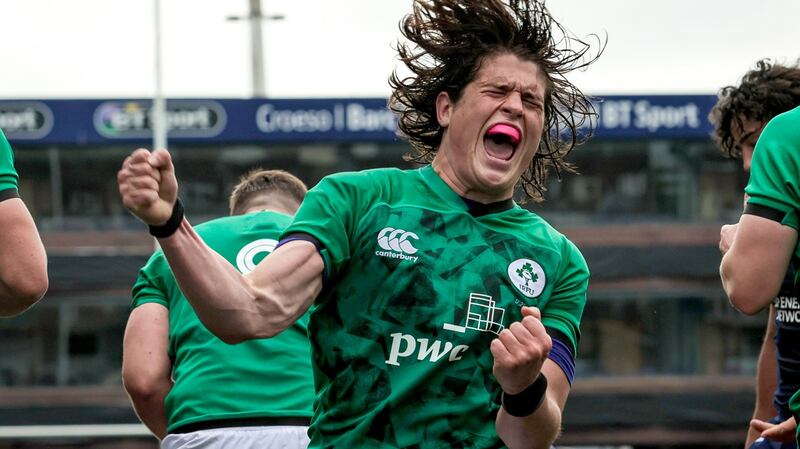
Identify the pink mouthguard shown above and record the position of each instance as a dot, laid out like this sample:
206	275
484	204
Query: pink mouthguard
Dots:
510	131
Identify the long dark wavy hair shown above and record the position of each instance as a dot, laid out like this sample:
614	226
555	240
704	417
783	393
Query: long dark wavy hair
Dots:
764	92
448	41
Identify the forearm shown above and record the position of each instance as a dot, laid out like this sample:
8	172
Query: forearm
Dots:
536	431
222	298
151	411
236	307
766	380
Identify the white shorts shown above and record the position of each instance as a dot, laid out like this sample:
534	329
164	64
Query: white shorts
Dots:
256	437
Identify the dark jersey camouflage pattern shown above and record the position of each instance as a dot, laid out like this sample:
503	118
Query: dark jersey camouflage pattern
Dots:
417	287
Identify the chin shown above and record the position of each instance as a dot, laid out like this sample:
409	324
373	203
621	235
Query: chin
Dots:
495	185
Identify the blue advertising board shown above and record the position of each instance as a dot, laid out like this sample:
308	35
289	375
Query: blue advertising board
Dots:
103	122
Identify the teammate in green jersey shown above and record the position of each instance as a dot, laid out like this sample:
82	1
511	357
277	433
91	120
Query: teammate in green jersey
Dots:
23	262
764	242
739	117
442	313
185	384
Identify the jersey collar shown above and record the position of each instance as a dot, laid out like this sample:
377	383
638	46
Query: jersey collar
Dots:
474	208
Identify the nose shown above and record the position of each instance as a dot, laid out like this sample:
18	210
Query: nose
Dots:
513	104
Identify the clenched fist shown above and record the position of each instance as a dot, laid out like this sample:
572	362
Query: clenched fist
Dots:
148	186
520	351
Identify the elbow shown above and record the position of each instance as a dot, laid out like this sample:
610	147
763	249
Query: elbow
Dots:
264	316
138	388
247	332
748	304
247	328
227	333
272	318
23	292
747	295
143	387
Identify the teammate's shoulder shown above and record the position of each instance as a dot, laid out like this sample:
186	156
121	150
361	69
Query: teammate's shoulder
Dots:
787	123
242	221
214	223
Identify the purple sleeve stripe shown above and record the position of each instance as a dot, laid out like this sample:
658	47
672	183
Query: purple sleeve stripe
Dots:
562	356
307	238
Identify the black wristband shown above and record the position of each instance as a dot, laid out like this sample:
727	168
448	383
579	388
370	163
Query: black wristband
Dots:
528	400
172	225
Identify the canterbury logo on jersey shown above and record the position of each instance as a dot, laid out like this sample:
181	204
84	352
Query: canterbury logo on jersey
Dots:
397	244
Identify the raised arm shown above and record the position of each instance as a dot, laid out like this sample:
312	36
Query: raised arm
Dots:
23	262
232	306
520	354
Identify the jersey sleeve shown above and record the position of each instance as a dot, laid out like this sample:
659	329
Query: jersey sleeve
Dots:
329	214
8	175
774	182
564	309
150	286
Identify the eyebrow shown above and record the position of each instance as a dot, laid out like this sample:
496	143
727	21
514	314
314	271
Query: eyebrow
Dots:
533	90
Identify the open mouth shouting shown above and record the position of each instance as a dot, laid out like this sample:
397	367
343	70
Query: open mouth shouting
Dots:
501	141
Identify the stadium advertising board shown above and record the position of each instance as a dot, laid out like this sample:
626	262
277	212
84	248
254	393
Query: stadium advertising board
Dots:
98	122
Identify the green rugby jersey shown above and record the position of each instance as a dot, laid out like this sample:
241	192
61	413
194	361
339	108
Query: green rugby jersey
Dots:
775	181
416	289
8	175
214	380
775	171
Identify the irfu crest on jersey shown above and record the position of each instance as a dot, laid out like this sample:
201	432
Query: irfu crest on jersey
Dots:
527	276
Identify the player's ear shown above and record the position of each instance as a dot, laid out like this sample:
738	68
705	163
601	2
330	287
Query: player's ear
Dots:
444	108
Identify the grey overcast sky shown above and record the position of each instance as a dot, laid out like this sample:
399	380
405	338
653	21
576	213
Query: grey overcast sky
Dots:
342	48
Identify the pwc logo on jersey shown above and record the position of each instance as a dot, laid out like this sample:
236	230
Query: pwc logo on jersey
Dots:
246	259
482	315
405	345
527	276
397	244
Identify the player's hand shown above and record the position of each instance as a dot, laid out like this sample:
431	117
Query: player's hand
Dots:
783	432
727	234
520	351
148	185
